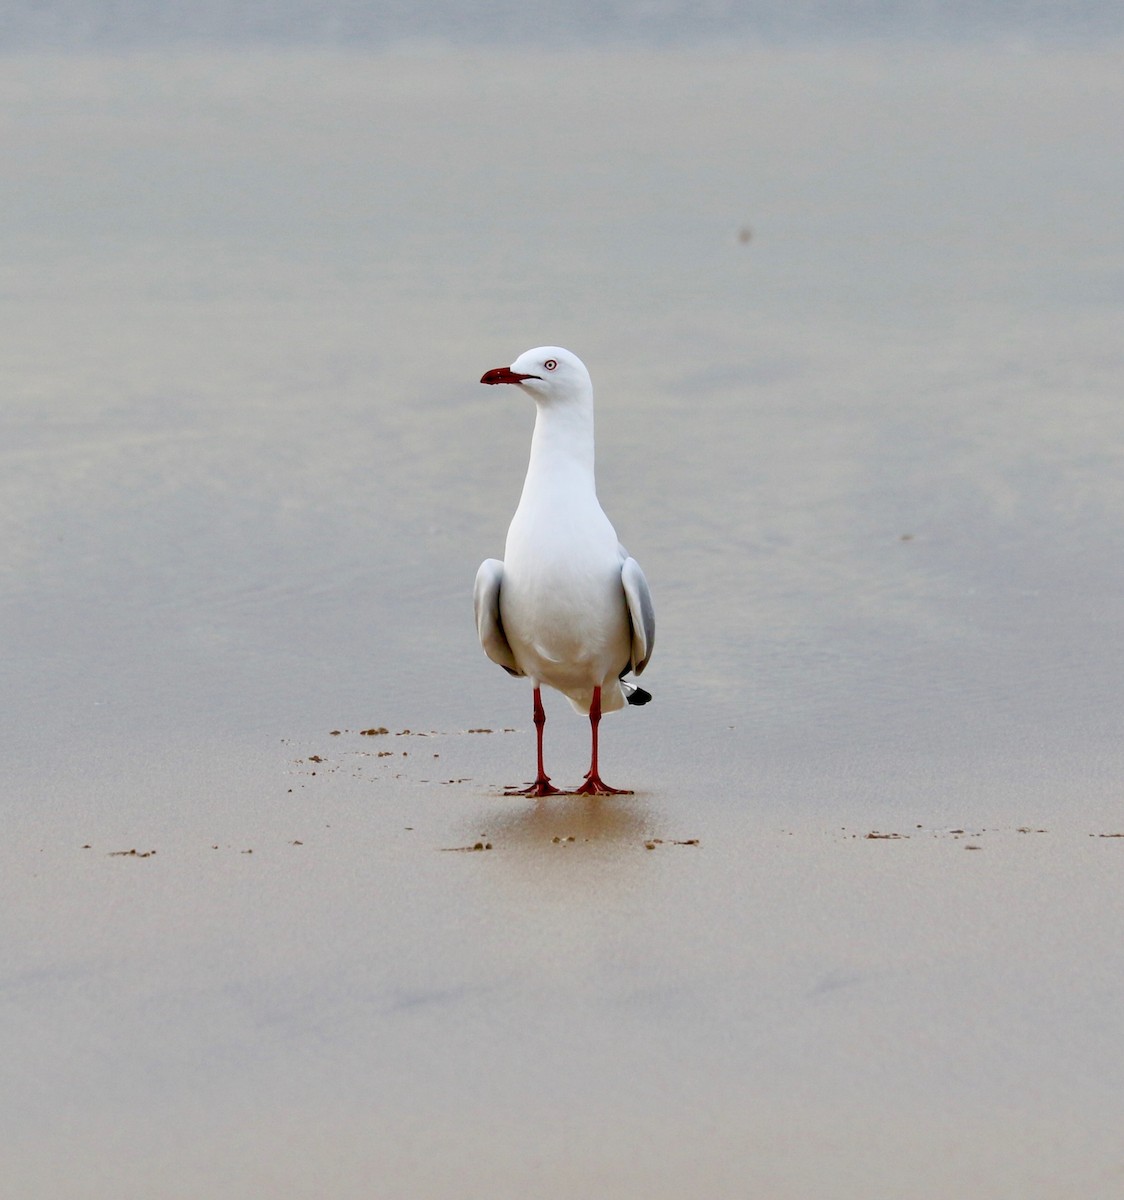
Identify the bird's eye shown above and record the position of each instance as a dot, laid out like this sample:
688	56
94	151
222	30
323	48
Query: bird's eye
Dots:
550	364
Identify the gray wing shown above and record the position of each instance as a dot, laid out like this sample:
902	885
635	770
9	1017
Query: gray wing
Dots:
641	613
489	626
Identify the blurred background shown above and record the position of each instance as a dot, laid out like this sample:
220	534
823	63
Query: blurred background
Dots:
849	280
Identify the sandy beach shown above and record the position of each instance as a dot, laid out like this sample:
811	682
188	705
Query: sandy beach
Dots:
270	925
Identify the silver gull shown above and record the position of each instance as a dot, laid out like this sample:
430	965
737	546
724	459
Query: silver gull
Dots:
567	607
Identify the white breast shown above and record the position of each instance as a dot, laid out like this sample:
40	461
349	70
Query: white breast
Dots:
562	603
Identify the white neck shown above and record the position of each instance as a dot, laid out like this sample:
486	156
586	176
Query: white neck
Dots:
562	444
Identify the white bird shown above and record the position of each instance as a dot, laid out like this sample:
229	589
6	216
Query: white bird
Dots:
567	607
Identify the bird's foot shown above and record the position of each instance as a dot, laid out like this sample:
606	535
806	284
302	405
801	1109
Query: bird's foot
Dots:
541	787
593	786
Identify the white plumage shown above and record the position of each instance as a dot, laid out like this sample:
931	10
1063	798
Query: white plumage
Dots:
567	606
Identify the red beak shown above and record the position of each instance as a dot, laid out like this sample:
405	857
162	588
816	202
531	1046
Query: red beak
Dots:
505	375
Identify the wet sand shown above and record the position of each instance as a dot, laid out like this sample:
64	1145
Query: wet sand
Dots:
330	989
856	933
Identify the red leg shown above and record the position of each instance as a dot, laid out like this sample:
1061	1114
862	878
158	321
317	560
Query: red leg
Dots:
542	785
593	785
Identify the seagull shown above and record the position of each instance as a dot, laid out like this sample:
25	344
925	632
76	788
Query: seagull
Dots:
567	607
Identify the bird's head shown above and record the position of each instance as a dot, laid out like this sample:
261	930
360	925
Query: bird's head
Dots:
548	373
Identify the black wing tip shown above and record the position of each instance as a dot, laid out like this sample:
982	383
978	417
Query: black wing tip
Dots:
638	696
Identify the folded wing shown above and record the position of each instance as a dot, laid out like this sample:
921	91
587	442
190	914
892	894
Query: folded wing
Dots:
489	626
641	613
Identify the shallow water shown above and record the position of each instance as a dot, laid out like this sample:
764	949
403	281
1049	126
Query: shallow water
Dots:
853	319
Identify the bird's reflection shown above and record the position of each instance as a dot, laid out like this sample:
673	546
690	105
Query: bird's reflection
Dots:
608	821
